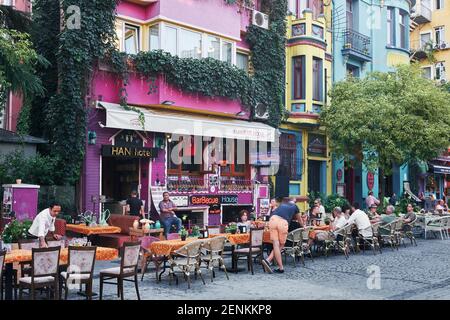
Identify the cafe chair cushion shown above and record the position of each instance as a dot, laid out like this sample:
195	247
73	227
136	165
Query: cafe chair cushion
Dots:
37	280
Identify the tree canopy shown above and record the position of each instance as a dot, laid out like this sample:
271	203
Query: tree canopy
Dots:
387	118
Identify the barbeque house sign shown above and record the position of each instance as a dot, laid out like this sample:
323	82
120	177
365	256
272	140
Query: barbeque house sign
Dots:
211	200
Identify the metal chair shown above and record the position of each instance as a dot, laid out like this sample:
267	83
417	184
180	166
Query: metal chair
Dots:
44	272
147	256
437	225
294	248
186	259
128	268
80	270
213	252
253	250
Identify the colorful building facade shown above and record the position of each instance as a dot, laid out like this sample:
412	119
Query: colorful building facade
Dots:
124	155
367	37
305	162
430	48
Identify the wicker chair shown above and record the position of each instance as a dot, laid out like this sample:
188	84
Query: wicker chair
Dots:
213	252
253	250
80	269
44	272
340	242
186	259
128	268
387	234
294	249
305	249
371	240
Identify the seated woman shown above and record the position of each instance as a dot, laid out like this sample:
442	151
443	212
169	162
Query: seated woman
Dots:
244	219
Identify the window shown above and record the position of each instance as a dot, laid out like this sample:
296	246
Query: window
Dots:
242	61
439	4
239	165
131	39
190	44
154	37
390	27
326	85
426	72
292	6
439	70
352	71
439	35
181	157
424	39
317	79
299	77
303	4
227	50
349	14
316	7
403	30
213	47
8	2
170	36
289	161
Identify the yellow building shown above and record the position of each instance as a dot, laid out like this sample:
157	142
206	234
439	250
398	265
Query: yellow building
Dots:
430	38
305	160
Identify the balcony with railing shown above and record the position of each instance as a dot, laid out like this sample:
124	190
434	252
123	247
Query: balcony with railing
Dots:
420	49
235	184
357	45
186	184
421	13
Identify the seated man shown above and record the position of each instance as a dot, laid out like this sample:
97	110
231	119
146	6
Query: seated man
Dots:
322	233
168	216
386	218
373	215
408	217
361	220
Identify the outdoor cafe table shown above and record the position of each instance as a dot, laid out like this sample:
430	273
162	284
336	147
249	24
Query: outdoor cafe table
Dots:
21	255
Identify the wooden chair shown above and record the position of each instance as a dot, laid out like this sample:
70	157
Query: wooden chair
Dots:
2	263
173	236
186	259
56	243
80	269
254	250
213	252
27	244
44	272
147	256
128	268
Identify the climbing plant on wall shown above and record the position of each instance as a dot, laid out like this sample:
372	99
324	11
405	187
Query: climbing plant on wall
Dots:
76	51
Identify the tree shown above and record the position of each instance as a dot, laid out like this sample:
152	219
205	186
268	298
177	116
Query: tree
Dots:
387	118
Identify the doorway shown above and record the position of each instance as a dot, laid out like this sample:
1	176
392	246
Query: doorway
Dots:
119	178
349	180
314	176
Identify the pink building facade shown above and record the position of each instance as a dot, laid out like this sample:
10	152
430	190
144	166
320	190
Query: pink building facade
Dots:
122	154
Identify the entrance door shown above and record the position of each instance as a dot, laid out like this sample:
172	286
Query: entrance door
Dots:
119	178
349	178
314	176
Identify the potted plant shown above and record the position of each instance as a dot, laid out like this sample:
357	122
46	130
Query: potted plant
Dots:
183	234
195	231
232	228
15	231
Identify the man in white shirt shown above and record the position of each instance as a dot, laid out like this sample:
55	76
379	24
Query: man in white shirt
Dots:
339	219
361	220
44	223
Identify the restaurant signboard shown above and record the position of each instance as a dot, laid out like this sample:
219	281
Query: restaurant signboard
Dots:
213	199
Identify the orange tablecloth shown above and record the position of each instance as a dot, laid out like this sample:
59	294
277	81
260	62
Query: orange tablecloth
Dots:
88	231
242	238
313	233
21	255
166	247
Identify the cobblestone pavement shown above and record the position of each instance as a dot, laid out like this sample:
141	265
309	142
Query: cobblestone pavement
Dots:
421	272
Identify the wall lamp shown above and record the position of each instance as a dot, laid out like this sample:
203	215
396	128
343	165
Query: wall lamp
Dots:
101	125
169	137
168	103
241	113
92	137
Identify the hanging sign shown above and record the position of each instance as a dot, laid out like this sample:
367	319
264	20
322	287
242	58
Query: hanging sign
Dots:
213	199
129	152
370	180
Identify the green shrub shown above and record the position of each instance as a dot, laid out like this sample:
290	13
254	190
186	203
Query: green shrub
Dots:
16	230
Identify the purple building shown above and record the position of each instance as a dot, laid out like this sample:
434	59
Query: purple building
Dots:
124	154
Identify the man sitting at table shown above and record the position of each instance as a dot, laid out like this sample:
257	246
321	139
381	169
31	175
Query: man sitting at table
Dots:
167	213
373	215
44	225
409	217
386	218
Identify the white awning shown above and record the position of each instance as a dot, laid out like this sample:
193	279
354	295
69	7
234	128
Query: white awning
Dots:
185	124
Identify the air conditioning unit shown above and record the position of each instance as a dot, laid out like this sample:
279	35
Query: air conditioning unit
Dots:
260	19
443	81
443	45
261	111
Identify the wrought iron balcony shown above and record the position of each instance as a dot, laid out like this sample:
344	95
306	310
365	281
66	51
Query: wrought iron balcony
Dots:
235	184
357	45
